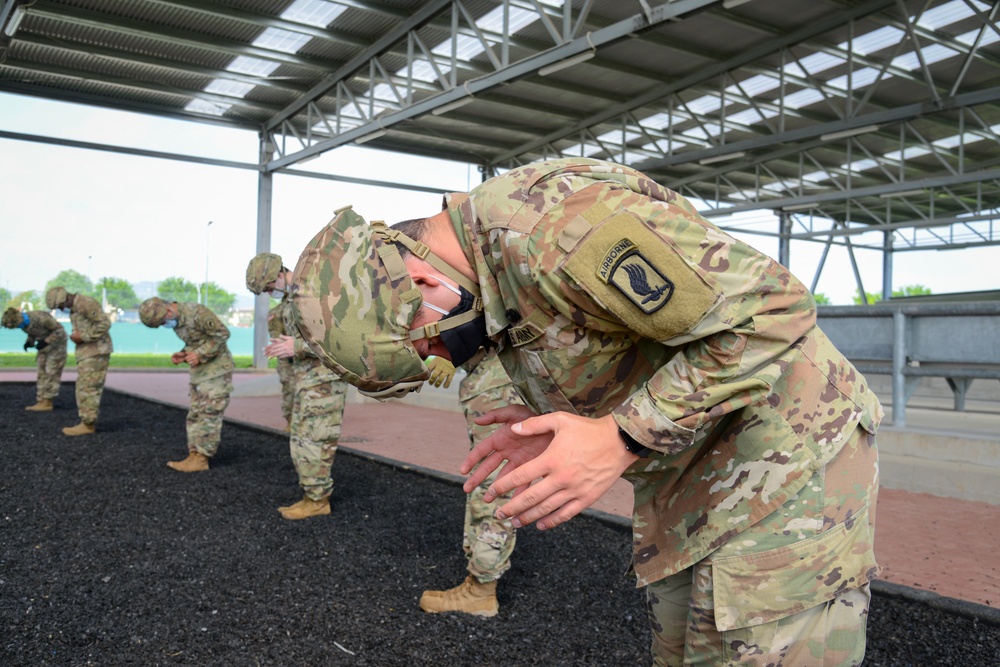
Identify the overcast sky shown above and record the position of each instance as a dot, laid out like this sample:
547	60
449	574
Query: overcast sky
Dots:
145	219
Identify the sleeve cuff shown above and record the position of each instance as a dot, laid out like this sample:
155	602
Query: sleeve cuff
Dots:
641	418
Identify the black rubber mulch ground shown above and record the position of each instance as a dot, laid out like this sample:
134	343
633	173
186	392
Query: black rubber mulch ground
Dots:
107	557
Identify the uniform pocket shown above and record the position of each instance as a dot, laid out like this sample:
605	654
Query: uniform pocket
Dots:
767	586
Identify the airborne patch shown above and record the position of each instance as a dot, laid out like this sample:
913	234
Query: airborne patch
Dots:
625	267
633	271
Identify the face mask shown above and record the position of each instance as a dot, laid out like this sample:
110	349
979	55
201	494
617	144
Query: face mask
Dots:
170	324
279	288
464	341
24	321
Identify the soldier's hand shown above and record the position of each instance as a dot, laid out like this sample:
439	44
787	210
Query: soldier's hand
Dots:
76	338
559	464
442	372
178	357
282	347
192	358
27	344
40	345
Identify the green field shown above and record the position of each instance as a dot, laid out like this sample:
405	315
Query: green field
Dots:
27	360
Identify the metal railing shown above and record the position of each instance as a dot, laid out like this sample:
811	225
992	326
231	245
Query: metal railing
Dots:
958	341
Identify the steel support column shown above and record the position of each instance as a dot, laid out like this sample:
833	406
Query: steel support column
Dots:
784	239
887	265
265	186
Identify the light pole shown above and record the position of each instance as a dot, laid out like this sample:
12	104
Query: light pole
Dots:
204	290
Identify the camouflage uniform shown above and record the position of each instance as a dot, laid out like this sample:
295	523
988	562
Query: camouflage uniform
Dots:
317	413
211	381
611	295
286	375
488	542
51	359
92	355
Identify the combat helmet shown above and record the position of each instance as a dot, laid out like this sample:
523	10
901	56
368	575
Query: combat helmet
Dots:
354	302
56	297
263	270
11	318
153	311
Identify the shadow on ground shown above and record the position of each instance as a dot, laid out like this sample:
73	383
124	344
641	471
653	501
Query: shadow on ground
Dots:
107	557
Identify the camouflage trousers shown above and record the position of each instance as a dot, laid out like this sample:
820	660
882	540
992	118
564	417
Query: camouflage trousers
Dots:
286	375
51	362
831	634
317	413
790	591
90	375
487	542
209	399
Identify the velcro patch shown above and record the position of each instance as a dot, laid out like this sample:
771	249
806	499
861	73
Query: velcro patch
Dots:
625	267
523	335
640	277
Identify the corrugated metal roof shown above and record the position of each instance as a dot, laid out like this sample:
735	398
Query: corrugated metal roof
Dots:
831	107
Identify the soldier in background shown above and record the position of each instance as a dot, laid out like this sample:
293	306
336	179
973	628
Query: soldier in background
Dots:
488	542
93	352
211	373
650	344
318	404
286	375
47	336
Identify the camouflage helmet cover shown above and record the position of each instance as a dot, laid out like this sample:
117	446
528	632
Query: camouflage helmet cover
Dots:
262	270
153	311
11	318
353	302
56	297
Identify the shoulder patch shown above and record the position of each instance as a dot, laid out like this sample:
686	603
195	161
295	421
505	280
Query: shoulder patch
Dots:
625	267
640	277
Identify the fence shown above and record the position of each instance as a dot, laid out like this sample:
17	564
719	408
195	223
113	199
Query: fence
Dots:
959	342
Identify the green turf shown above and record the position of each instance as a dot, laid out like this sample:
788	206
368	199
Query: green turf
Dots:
27	360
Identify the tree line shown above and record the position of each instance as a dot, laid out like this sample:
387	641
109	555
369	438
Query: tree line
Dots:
121	294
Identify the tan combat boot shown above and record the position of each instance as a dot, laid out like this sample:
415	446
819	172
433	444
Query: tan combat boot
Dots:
83	428
470	597
43	405
195	462
306	508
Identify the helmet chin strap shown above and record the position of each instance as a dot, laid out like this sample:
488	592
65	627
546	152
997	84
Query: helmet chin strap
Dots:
394	264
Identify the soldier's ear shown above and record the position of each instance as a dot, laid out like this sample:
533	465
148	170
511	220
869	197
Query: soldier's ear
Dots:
421	273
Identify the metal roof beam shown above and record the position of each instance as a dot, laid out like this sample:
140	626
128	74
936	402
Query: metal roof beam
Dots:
383	44
529	65
885	117
857	193
139	152
145	86
704	74
230	13
68	45
143	30
75	97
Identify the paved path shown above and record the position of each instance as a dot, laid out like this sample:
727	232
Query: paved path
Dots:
945	546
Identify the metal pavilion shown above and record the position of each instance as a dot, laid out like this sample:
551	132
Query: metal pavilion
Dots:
836	118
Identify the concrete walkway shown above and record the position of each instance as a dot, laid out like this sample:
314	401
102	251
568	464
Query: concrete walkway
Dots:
945	546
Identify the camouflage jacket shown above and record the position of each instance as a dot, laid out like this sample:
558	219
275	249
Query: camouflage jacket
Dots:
42	326
609	294
484	373
93	325
309	370
275	321
203	332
